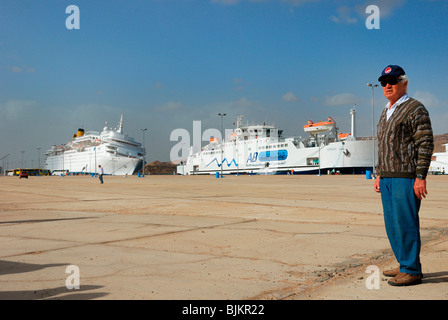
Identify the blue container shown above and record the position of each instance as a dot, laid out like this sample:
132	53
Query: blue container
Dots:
368	174
217	174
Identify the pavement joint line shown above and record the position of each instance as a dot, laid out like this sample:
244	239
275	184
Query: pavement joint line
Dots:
81	244
179	231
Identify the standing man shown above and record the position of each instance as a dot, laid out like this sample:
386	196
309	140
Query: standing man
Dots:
100	173
405	146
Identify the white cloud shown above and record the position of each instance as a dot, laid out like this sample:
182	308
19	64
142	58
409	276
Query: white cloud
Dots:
17	69
289	97
158	85
15	109
344	16
169	106
427	98
238	83
347	14
342	99
240	104
387	7
298	2
233	2
226	2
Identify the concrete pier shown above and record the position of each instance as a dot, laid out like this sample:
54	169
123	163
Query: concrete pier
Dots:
201	238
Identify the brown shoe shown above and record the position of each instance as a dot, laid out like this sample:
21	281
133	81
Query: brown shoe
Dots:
392	272
405	279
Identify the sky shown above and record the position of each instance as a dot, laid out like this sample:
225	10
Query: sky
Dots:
166	63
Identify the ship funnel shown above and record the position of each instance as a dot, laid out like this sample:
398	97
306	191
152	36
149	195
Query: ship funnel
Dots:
353	113
80	133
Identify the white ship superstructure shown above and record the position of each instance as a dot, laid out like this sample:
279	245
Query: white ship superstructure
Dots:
440	163
261	149
115	151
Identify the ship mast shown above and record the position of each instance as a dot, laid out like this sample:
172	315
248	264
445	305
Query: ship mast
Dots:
120	125
239	121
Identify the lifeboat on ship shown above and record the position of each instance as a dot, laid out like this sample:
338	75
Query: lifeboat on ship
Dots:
317	127
343	136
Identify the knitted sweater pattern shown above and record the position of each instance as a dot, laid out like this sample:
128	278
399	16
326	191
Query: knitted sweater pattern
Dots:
405	141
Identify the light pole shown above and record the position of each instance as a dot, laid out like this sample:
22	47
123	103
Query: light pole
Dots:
7	161
373	86
223	138
22	157
38	158
5	168
143	158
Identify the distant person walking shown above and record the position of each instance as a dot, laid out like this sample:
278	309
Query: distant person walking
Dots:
405	146
100	173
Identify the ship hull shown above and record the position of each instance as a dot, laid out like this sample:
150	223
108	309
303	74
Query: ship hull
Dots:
355	157
86	162
114	151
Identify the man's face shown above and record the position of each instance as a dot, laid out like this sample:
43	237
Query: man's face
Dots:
396	91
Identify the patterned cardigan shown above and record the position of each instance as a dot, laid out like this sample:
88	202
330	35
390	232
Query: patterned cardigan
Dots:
405	141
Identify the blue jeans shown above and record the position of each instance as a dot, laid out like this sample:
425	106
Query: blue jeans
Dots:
401	207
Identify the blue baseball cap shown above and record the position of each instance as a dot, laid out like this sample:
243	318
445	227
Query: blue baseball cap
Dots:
392	71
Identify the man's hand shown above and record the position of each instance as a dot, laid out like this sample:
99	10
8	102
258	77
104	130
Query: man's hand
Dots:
376	184
420	188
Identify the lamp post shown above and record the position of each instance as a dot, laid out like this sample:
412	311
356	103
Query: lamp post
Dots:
143	158
22	157
222	139
5	168
373	86
38	159
7	161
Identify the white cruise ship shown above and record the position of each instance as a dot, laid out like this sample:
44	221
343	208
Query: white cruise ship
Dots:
261	149
116	152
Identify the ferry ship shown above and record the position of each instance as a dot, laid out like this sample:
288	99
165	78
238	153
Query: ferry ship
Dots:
261	149
439	163
115	151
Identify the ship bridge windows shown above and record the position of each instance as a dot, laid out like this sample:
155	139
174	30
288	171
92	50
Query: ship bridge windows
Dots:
124	142
273	146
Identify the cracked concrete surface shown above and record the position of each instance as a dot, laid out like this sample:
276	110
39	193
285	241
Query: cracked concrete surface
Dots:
198	237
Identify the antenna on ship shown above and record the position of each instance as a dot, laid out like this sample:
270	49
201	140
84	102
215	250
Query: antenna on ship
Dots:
239	120
120	125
